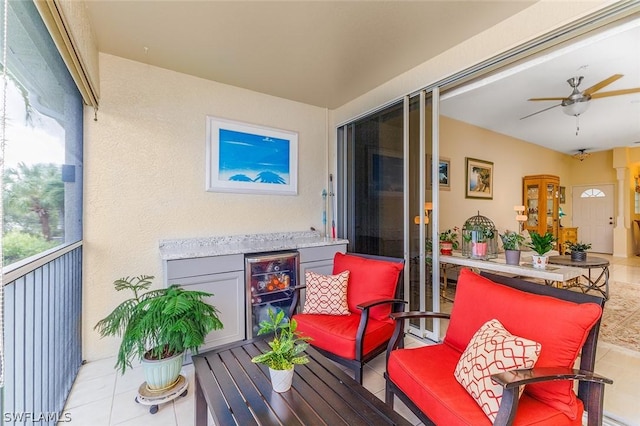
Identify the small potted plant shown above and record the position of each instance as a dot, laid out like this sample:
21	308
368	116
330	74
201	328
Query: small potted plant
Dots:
578	251
287	349
449	241
541	245
157	327
511	241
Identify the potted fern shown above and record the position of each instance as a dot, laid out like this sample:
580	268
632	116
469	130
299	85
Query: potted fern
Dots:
287	349
157	327
541	245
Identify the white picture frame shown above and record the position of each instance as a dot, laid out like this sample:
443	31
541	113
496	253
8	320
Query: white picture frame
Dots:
250	159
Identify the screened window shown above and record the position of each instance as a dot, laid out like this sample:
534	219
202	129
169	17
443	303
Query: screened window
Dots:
42	179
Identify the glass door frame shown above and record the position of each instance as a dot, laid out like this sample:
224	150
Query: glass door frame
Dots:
422	330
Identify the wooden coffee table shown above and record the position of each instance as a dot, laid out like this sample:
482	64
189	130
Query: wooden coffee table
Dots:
238	392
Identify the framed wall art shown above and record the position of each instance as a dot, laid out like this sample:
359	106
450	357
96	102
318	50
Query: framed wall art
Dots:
385	172
479	181
444	173
247	158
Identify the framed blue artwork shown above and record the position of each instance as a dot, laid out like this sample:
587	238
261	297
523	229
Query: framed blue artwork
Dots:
247	158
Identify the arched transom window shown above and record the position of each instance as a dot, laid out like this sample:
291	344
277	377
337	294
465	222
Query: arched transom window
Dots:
592	193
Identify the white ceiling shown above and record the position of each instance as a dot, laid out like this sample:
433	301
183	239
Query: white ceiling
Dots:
498	102
326	53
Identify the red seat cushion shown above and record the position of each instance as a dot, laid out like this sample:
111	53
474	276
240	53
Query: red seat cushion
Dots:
426	376
337	334
561	327
369	279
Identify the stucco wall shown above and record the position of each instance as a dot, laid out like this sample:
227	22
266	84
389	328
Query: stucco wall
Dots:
145	176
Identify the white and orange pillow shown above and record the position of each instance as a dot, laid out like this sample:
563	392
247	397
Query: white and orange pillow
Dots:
492	350
326	294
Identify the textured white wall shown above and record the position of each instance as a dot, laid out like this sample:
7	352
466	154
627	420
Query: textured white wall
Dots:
145	176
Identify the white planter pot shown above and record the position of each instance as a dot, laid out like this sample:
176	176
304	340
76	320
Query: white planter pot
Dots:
281	379
163	373
539	262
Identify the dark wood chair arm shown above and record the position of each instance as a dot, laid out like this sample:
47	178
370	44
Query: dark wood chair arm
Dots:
397	340
512	380
401	316
372	303
515	378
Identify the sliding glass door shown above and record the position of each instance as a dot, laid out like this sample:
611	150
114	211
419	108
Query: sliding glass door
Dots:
373	170
387	205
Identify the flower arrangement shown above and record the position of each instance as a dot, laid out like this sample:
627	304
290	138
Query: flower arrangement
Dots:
451	236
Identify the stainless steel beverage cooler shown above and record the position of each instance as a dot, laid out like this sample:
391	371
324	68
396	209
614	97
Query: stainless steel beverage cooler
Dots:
270	279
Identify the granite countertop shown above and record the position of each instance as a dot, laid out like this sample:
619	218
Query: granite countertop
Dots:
240	244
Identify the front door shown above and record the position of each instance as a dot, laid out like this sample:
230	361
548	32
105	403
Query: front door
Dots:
593	215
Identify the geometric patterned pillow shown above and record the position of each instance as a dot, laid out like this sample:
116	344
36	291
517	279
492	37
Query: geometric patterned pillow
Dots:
326	294
492	350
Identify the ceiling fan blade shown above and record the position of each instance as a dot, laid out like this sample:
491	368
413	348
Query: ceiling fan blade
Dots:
615	93
546	99
538	112
602	84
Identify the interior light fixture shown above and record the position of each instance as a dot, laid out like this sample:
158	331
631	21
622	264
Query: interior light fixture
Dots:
521	218
581	155
575	108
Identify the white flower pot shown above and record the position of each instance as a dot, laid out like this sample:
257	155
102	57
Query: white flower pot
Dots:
281	379
539	262
162	373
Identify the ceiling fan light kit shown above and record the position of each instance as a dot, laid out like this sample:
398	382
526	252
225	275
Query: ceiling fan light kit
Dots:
578	101
581	155
575	108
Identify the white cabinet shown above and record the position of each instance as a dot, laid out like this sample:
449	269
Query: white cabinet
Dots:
222	276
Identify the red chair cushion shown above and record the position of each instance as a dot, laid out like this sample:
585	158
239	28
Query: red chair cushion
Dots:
561	327
425	375
337	334
369	279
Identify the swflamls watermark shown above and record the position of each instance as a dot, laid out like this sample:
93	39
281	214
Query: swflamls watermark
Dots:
28	417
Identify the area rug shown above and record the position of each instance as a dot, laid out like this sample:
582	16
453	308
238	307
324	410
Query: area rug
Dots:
621	317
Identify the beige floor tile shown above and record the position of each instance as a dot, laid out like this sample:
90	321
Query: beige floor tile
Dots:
129	382
166	416
99	368
95	413
373	380
126	408
85	391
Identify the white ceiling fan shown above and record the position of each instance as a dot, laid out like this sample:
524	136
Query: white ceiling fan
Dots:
578	101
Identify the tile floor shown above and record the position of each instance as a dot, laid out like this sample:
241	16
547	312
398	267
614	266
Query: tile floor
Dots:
100	397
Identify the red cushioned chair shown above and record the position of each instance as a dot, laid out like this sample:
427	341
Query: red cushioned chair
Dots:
564	322
373	292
